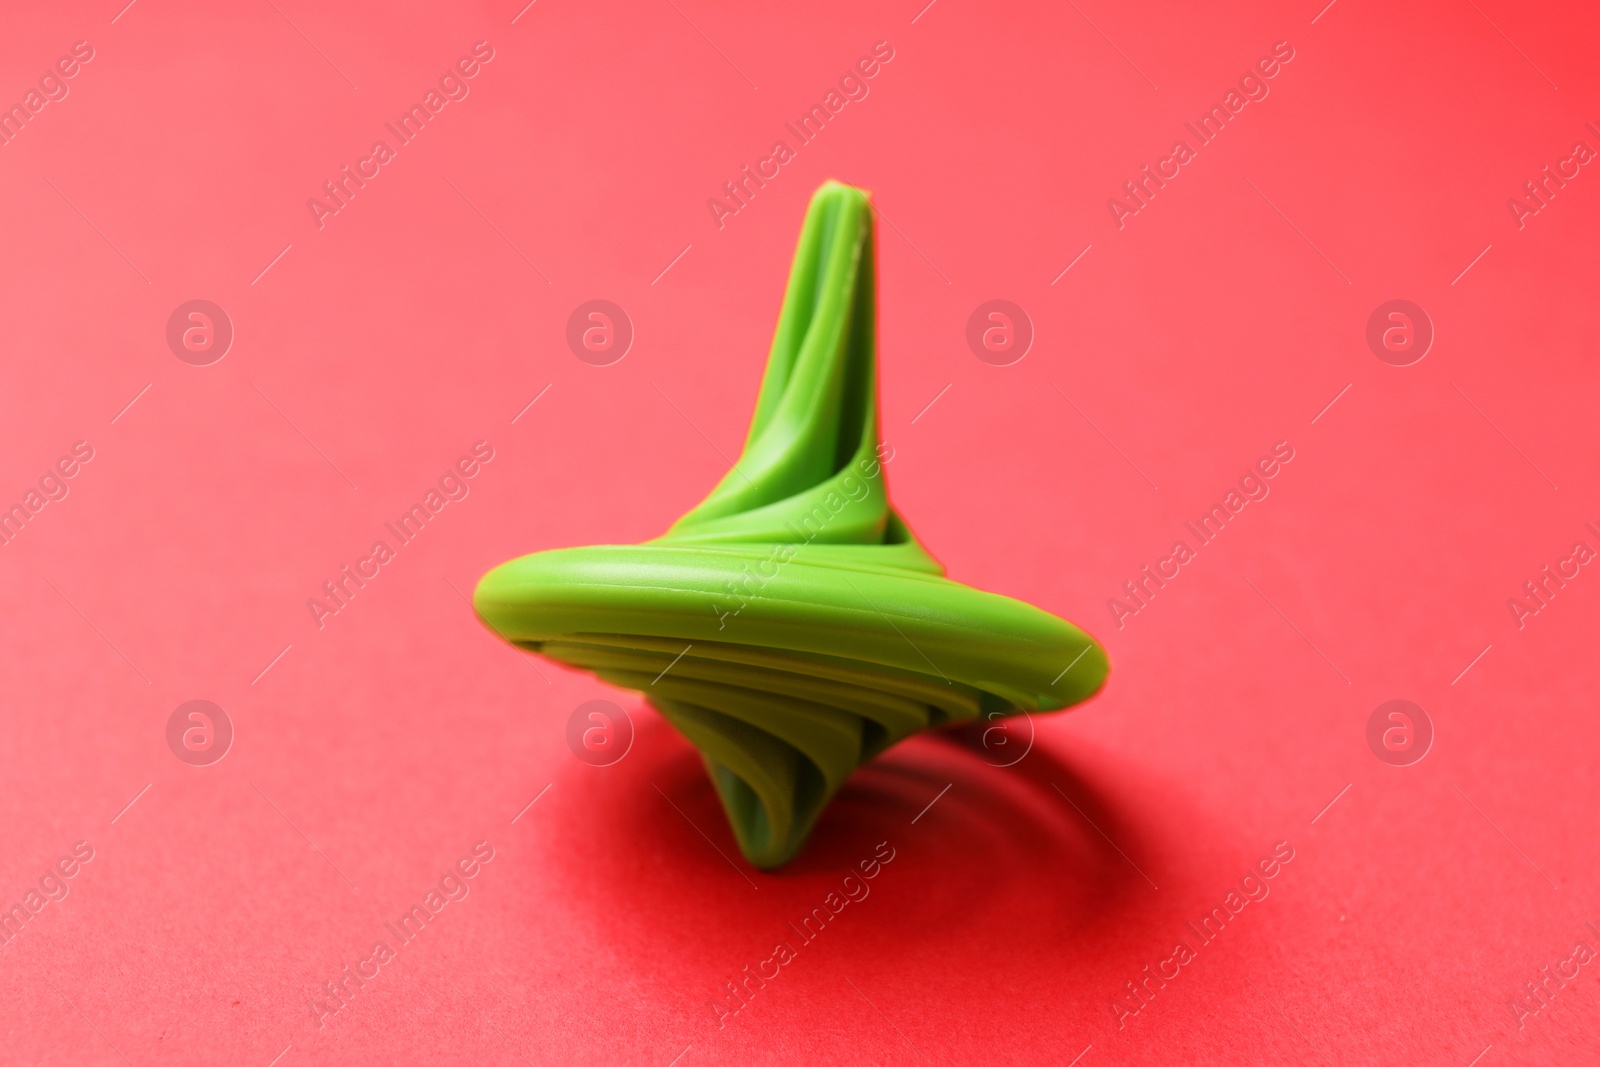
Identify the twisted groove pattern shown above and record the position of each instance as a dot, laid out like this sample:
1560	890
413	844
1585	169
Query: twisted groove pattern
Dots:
790	626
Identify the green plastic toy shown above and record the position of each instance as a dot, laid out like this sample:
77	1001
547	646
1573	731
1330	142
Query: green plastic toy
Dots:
790	626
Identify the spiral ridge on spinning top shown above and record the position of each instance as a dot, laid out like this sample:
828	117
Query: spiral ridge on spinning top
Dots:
791	627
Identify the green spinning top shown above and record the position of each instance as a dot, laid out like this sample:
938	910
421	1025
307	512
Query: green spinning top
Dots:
790	626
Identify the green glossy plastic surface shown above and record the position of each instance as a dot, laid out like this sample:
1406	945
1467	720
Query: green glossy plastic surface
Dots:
814	630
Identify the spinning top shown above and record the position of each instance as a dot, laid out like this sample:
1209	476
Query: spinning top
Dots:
791	626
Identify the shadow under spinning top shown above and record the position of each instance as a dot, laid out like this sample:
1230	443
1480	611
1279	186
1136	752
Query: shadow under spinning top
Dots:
791	627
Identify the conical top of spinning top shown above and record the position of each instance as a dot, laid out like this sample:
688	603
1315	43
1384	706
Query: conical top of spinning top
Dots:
790	626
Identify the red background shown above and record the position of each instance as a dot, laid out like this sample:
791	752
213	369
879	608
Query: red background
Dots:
1223	318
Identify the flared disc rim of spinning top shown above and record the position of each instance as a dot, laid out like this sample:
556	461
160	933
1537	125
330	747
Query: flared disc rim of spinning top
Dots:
791	627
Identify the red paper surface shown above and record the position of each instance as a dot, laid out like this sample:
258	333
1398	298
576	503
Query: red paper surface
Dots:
1173	347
